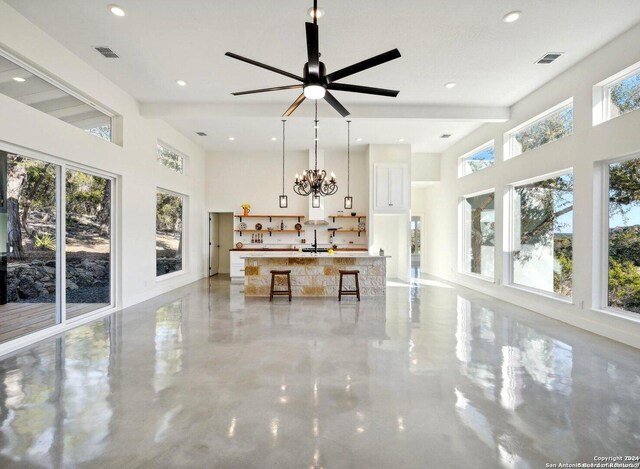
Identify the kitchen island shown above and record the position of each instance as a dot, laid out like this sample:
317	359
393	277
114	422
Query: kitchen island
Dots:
314	274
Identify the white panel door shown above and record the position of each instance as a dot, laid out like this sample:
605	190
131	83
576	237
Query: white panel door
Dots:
396	187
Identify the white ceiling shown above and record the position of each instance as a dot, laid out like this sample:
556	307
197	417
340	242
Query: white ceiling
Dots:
465	41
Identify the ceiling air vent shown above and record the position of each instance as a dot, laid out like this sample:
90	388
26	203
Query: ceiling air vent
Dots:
108	53
202	134
549	57
445	135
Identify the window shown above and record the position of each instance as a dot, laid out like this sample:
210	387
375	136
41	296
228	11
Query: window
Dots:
542	234
478	159
478	235
32	88
624	236
617	95
169	232
548	127
170	158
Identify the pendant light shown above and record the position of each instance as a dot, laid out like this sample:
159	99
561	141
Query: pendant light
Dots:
348	200
314	181
283	200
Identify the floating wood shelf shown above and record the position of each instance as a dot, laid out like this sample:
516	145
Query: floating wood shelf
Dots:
347	216
299	217
350	231
267	231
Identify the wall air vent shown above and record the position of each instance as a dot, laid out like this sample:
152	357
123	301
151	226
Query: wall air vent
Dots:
445	135
108	53
549	57
202	134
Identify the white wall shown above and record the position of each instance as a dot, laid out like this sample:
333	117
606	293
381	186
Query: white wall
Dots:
236	178
425	167
134	163
579	151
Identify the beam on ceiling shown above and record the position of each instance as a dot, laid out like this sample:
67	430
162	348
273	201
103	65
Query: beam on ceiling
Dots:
186	110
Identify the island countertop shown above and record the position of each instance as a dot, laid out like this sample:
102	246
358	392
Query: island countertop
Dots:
314	274
297	254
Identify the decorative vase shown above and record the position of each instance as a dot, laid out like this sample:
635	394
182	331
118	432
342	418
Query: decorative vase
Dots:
246	212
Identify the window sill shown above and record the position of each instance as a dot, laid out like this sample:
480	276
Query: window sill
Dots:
542	293
619	313
479	277
164	277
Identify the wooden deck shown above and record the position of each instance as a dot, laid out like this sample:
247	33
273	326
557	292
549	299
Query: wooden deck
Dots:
19	319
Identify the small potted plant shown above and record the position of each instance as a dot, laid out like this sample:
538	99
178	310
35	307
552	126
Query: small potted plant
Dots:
246	208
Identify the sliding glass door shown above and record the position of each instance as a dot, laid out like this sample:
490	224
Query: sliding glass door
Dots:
29	273
33	269
88	242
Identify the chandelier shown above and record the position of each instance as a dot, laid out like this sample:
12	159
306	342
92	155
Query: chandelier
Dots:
314	181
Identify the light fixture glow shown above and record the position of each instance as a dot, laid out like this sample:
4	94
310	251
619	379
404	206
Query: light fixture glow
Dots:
319	13
358	139
314	92
273	139
181	83
231	139
401	140
116	10
512	16
450	85
19	79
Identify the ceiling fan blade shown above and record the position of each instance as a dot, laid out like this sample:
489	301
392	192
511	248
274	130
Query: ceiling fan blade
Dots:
264	90
294	106
328	97
364	65
362	89
313	49
261	65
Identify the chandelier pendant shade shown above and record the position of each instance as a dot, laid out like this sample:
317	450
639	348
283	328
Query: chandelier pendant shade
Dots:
283	200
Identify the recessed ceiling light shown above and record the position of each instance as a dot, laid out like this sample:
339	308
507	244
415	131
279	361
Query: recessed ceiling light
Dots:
232	139
319	12
450	85
181	83
401	140
116	10
512	16
19	79
358	139
273	139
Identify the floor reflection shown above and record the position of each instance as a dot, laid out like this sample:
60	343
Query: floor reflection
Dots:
426	377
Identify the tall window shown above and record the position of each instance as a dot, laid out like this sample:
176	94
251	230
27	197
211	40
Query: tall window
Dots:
170	158
478	159
169	232
624	235
542	223
478	234
545	128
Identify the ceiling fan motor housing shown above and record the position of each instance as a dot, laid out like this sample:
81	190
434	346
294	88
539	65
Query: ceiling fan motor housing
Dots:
313	80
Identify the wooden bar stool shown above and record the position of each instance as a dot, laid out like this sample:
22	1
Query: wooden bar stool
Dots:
355	292
273	284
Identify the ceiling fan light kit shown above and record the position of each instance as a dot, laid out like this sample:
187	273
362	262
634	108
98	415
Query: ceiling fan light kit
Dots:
315	82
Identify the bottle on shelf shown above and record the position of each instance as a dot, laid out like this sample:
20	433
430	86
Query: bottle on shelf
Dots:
281	225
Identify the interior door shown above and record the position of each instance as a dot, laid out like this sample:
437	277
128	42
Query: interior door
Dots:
214	244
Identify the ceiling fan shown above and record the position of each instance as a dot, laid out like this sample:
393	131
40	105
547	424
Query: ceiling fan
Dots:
315	82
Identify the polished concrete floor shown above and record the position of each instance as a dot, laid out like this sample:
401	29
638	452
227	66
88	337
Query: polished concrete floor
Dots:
430	377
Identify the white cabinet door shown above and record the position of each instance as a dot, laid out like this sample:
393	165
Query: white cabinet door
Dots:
391	186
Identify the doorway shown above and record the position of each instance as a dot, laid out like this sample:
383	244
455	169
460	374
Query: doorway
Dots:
416	245
220	242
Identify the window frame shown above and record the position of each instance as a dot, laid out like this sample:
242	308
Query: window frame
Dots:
602	94
185	204
185	158
115	121
462	232
601	294
510	241
509	136
462	159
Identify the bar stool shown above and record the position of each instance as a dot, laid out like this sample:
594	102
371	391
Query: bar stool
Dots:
273	284
355	292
